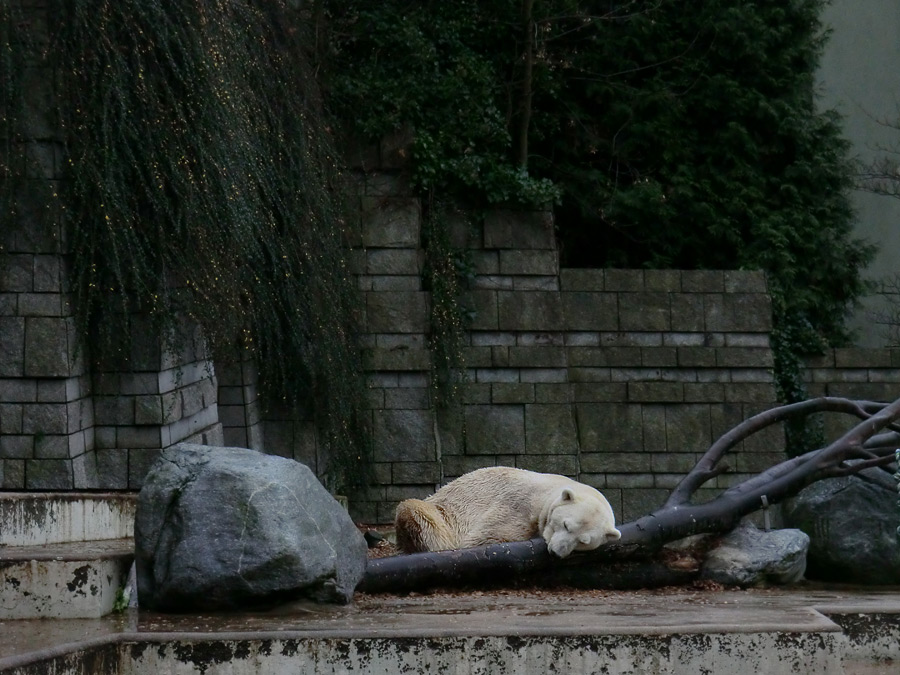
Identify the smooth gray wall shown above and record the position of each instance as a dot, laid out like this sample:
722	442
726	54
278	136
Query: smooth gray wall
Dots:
860	77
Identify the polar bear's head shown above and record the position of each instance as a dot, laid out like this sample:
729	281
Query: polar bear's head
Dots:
579	521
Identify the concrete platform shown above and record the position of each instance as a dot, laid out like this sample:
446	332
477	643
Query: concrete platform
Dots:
809	629
63	581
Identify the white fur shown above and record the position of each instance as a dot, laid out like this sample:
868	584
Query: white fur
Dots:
498	504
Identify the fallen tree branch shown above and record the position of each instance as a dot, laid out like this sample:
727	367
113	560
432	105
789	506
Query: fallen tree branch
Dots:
676	519
703	470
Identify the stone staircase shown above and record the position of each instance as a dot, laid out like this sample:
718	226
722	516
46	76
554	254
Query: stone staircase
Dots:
64	555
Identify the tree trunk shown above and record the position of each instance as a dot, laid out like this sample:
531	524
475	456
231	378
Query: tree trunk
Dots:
522	117
870	443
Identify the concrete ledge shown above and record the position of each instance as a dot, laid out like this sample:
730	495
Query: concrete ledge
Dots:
38	518
775	632
616	655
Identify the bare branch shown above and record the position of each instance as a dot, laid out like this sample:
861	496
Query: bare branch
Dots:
856	467
884	440
703	471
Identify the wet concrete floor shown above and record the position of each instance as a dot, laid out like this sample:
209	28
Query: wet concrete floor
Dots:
801	609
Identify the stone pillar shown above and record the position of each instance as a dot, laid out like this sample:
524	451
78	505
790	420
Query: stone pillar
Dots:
46	435
62	426
158	397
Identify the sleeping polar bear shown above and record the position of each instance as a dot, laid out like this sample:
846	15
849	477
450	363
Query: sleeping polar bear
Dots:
504	504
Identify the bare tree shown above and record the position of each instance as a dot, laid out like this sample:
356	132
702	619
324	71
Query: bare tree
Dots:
630	561
882	175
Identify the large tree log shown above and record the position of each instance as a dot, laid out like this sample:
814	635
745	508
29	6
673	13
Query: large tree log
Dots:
870	443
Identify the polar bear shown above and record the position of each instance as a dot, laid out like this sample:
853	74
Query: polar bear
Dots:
499	504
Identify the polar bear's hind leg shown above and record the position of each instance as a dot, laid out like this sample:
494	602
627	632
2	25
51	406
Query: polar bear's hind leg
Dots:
422	526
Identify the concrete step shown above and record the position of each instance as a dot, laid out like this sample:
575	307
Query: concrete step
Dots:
63	581
37	518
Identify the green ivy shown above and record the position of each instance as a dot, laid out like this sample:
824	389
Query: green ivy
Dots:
792	338
448	274
440	68
693	140
14	46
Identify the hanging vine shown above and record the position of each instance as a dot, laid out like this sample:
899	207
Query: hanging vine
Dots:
448	273
201	184
13	47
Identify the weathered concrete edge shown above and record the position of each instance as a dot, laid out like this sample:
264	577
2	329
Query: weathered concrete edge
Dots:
828	609
78	551
60	651
67	495
822	625
827	626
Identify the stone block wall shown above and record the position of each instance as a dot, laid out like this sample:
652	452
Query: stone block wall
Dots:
860	374
620	378
159	397
46	415
239	405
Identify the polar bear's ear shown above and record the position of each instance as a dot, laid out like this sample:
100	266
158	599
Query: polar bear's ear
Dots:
567	495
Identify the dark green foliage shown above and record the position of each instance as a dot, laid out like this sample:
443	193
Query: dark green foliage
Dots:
692	140
9	96
680	138
677	136
14	46
443	68
200	185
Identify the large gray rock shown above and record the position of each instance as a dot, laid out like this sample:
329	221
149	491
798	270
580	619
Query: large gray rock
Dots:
747	556
852	524
224	528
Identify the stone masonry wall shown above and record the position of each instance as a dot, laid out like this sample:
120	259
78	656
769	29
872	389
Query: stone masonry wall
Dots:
46	415
862	374
158	398
67	423
619	378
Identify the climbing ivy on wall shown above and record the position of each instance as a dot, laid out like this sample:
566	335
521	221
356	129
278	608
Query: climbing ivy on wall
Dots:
441	68
669	138
448	273
201	184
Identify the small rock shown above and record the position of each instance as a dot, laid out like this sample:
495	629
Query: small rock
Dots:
373	538
748	556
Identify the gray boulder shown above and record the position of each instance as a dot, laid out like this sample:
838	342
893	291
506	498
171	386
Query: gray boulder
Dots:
747	556
852	524
220	528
